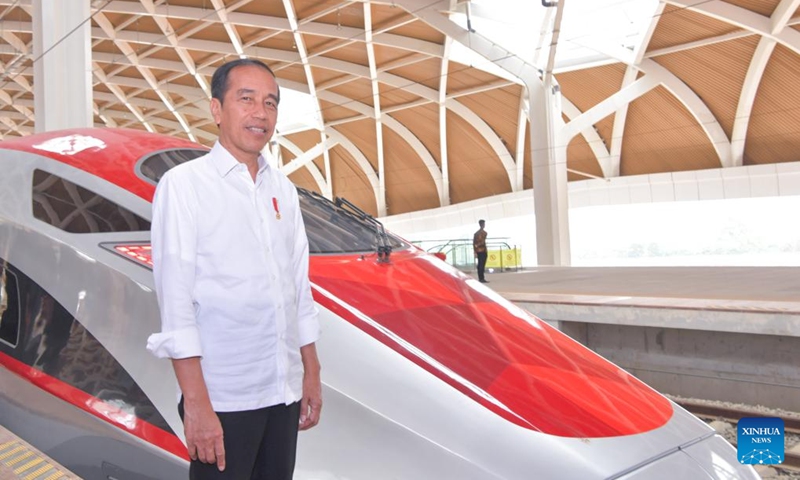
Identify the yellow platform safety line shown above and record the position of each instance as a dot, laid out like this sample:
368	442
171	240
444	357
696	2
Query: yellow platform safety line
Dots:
13	453
54	476
27	466
38	471
16	460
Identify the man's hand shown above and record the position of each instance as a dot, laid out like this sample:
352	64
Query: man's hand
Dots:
311	404
201	424
203	434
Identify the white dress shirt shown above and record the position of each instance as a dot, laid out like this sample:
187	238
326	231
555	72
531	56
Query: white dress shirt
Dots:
231	274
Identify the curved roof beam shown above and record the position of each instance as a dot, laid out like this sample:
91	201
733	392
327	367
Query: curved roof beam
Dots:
696	106
173	126
107	120
233	35
783	14
307	157
746	19
747	97
123	99
367	111
779	19
152	104
690	100
188	107
299	42
444	192
312	168
429	48
376	102
169	33
522	124
431	95
10	101
363	163
625	96
12	125
614	162
335	135
433	14
277	23
21	51
594	140
145	72
398	128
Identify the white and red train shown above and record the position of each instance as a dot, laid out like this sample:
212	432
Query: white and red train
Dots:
427	374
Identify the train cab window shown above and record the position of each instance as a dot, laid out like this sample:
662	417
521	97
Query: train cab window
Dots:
155	166
335	230
75	209
9	307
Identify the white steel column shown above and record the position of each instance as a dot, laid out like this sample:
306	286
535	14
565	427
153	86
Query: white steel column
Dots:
549	158
62	64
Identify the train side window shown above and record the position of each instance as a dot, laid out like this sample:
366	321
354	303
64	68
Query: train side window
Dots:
75	209
156	165
9	307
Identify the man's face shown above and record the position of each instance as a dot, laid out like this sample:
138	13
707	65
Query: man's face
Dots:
248	113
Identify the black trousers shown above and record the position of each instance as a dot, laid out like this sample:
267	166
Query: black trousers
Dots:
259	445
482	256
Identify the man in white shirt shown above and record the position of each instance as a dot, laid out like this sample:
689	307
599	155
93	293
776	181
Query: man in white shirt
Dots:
230	258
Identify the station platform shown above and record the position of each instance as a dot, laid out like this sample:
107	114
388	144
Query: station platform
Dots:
19	460
719	333
694	287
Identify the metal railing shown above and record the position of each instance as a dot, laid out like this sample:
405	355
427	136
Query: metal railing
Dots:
459	253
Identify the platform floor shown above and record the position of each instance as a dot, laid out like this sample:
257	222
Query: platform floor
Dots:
775	289
19	460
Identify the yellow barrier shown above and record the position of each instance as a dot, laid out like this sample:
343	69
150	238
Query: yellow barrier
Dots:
504	258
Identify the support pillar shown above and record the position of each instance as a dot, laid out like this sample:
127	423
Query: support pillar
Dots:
550	191
62	75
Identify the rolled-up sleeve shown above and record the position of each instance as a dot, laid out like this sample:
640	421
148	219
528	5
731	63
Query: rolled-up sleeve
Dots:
174	243
307	315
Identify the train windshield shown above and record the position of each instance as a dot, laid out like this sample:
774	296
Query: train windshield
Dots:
331	228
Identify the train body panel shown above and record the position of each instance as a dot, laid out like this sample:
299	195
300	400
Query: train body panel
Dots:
426	373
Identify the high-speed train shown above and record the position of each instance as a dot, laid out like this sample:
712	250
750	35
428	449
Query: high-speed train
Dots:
427	374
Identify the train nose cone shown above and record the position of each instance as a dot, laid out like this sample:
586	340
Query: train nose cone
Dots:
508	361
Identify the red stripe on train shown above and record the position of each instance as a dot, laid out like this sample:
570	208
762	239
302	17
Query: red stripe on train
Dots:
97	407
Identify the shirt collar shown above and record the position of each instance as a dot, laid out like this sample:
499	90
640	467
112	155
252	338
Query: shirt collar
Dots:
224	162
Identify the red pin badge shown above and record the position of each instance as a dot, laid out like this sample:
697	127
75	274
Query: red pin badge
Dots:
275	205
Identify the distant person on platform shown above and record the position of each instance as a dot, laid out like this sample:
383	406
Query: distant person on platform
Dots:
479	246
230	257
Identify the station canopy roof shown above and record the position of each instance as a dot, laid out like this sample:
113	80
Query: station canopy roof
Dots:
378	95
